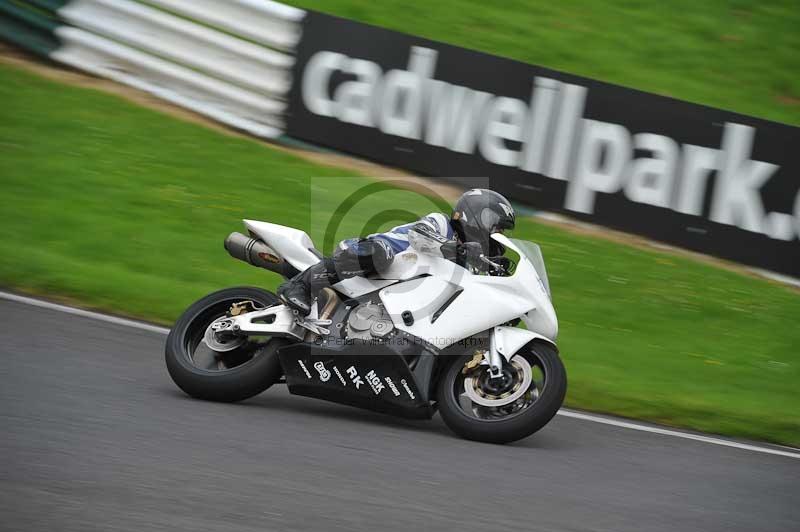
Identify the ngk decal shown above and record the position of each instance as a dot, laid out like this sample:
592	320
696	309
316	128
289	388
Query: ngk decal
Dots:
548	134
375	382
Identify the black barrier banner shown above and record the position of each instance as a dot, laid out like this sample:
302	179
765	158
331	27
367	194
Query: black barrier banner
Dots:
694	176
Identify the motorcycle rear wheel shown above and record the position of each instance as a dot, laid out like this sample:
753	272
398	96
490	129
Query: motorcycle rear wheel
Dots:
534	399
232	375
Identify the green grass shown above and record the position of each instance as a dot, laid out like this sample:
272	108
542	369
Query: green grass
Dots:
741	55
124	209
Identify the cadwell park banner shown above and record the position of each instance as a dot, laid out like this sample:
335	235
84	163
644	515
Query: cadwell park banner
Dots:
693	176
709	180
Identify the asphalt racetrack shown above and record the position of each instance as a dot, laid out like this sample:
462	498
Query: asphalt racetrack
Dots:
95	436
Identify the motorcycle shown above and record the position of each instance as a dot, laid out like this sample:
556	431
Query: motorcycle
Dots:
430	334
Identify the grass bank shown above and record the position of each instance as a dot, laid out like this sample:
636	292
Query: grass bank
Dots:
124	209
740	55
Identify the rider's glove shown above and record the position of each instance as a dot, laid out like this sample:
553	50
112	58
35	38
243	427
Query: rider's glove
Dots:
450	250
469	253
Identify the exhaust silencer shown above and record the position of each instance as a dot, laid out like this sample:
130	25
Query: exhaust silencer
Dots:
258	253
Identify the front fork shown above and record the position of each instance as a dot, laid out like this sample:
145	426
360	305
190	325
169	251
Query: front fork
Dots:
493	357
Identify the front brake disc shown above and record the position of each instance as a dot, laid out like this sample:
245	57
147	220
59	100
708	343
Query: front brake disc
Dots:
473	390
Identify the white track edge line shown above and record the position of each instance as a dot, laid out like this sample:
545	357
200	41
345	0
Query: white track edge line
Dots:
84	313
677	434
563	412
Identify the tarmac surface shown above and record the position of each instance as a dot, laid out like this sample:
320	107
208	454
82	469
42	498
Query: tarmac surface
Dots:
95	436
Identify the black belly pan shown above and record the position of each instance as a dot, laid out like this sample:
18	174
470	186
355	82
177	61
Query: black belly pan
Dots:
371	376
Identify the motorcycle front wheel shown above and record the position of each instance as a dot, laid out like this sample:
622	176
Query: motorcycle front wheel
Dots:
222	369
507	408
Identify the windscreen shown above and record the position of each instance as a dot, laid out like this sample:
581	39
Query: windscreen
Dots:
534	255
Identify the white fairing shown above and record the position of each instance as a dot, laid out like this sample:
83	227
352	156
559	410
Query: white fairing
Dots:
447	302
357	286
509	340
484	301
292	244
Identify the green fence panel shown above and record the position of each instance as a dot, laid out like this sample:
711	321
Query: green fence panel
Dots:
45	5
27	28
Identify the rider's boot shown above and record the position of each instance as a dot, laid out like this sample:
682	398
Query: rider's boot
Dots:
297	292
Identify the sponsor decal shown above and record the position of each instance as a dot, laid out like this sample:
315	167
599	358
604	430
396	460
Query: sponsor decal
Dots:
304	368
339	376
392	387
705	179
354	273
354	377
407	388
269	257
324	374
592	155
375	382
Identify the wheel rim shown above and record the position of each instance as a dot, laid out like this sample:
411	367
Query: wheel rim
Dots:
480	397
220	354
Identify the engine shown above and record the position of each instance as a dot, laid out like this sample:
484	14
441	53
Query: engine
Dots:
369	321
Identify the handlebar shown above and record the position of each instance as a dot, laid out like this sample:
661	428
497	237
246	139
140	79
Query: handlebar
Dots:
471	253
495	266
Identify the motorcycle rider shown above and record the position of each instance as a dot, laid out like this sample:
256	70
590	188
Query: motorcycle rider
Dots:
465	234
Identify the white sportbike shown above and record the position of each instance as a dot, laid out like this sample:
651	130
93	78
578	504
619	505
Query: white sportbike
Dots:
428	335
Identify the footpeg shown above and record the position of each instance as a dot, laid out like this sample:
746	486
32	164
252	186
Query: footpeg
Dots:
314	325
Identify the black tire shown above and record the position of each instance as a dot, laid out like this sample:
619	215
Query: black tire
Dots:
518	426
249	378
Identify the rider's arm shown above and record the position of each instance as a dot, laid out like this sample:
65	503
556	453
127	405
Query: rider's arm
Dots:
430	233
423	238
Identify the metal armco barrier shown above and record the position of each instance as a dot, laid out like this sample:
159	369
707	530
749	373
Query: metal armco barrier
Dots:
31	29
697	177
221	66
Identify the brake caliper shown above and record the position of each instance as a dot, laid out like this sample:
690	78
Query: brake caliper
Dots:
474	362
242	307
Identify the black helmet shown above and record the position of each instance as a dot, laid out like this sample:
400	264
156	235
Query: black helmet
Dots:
479	213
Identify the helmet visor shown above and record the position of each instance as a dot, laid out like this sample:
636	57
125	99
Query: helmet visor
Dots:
492	222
